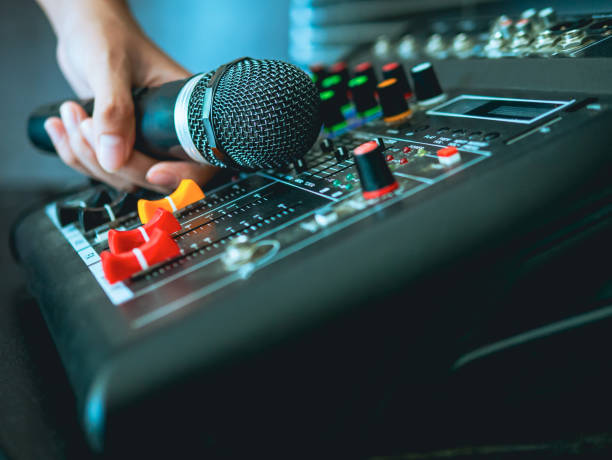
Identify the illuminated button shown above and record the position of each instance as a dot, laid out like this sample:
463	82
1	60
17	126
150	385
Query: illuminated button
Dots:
389	158
426	85
396	70
118	267
403	161
374	174
331	112
349	176
406	149
122	241
363	96
186	193
394	105
448	156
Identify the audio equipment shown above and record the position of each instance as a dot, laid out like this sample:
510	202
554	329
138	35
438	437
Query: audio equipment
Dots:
418	264
248	114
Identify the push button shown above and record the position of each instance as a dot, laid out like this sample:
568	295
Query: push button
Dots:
122	241
449	155
118	267
187	193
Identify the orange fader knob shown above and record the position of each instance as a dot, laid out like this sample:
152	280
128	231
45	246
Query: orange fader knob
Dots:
187	192
160	247
122	241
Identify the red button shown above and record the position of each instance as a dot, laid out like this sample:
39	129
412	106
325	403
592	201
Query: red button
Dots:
447	151
122	241
389	157
118	267
406	149
403	161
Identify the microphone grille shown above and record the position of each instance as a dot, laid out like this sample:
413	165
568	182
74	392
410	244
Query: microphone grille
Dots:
265	114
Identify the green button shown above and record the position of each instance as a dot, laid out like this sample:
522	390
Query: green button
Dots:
348	186
336	183
349	176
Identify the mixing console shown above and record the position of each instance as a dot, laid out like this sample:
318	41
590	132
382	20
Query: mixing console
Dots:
406	175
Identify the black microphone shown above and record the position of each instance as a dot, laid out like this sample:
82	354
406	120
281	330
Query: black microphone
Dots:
248	114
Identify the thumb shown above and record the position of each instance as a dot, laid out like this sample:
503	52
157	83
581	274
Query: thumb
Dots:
113	117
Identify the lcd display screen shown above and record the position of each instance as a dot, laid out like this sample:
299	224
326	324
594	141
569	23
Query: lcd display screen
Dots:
524	111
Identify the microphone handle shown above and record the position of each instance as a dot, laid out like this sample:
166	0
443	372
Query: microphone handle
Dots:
155	121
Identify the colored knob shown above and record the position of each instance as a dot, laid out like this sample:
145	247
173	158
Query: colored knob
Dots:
547	17
331	111
187	193
394	105
341	70
426	86
334	83
367	70
374	174
396	70
319	73
122	241
363	96
118	267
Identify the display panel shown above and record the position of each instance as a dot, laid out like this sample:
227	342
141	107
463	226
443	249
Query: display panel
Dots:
524	111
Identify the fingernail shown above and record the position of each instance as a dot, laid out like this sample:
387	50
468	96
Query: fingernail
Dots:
111	152
163	179
87	130
52	132
68	116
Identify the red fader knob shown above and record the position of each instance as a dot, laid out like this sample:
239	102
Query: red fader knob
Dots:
160	247
122	241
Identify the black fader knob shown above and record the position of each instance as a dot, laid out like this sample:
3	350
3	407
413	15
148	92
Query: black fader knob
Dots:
367	70
396	70
394	106
426	85
331	111
374	174
364	98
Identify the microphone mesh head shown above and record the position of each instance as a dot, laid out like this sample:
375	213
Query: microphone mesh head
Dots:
265	114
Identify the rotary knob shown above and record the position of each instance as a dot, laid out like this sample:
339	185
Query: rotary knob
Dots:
364	98
394	106
331	111
374	174
396	70
366	69
426	85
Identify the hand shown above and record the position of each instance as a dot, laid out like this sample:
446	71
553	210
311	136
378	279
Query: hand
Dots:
103	53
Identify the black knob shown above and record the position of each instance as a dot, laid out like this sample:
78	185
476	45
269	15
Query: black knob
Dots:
341	70
426	85
374	174
367	70
341	154
331	111
327	145
319	73
394	106
334	83
364	97
396	70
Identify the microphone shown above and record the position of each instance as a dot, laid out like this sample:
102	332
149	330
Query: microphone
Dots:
248	114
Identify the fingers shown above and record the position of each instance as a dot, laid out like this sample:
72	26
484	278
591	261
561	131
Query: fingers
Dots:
113	117
58	135
168	174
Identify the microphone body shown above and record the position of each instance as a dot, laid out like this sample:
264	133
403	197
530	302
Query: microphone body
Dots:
248	114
